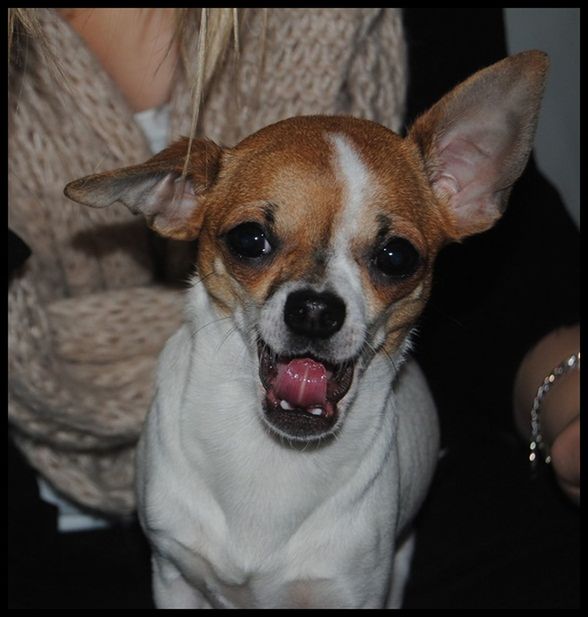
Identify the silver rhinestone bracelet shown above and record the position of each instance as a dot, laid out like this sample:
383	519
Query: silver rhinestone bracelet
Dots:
537	444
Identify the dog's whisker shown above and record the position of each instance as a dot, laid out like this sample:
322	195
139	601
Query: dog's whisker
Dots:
194	333
194	279
227	336
370	349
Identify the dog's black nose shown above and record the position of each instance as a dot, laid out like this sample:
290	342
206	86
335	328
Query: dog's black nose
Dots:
313	314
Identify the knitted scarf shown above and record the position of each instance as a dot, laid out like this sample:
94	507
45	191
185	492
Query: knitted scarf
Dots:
87	314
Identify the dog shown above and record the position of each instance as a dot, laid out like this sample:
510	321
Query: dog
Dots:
292	438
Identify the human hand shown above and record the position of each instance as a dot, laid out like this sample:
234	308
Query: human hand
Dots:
560	408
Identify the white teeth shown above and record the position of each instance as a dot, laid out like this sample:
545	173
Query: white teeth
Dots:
315	411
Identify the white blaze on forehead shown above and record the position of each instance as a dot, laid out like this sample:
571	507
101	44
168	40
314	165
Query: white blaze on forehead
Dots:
358	184
354	174
343	272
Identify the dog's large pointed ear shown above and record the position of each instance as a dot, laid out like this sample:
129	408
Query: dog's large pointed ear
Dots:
158	188
476	140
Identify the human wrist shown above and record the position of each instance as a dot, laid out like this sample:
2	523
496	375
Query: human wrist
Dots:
559	400
548	421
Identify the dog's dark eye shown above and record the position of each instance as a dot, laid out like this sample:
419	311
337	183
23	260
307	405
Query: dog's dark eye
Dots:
397	258
249	240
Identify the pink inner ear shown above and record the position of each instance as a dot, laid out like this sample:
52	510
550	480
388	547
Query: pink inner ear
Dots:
477	139
467	175
171	202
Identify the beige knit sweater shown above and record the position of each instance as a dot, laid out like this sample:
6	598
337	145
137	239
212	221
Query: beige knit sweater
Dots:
86	318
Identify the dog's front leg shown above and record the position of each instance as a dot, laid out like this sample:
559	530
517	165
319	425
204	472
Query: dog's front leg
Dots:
171	589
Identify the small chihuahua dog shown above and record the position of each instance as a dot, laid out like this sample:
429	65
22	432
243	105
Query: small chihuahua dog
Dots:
291	439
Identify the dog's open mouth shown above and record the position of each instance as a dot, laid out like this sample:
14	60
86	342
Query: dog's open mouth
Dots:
302	392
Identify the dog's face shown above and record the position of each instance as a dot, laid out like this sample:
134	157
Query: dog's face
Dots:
318	234
319	238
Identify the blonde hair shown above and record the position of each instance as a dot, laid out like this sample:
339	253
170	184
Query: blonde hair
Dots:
23	28
24	19
214	35
214	29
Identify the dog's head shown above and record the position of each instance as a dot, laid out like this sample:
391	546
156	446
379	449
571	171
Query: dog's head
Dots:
318	234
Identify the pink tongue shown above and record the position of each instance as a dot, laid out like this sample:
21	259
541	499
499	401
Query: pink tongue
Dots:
303	382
